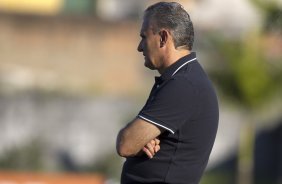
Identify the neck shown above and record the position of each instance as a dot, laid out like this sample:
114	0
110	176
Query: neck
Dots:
173	57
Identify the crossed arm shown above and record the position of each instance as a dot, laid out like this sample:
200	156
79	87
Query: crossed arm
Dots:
138	137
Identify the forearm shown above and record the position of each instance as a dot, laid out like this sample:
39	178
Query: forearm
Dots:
150	149
124	148
132	139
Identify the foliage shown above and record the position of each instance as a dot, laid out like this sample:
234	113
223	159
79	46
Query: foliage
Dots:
27	157
272	13
79	7
247	76
218	177
109	166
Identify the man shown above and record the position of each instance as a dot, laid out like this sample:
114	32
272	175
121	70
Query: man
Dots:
171	138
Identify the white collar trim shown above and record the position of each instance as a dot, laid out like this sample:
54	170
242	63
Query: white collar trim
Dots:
182	66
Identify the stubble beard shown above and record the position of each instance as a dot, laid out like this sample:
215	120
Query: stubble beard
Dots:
148	64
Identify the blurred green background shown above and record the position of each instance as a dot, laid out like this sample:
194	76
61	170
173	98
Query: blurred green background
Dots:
71	77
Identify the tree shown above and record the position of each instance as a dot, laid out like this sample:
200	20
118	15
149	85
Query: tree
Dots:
249	79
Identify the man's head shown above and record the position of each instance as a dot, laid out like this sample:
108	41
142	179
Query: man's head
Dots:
163	23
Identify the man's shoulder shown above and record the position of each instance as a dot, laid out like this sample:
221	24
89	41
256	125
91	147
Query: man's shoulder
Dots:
177	88
193	75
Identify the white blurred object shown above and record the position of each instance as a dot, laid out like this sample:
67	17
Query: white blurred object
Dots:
113	10
233	16
230	17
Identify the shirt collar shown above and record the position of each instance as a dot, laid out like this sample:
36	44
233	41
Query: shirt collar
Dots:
168	73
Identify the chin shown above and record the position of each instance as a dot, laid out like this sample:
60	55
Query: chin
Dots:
149	65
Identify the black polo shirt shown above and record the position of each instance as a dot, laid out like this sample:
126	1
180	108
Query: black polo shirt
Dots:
182	102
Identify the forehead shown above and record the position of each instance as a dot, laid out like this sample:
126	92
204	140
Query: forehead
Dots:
146	25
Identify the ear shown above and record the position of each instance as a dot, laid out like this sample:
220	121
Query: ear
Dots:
163	37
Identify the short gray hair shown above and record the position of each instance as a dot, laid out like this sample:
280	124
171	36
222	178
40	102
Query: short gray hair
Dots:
172	16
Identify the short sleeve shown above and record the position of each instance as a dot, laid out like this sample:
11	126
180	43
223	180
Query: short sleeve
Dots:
172	105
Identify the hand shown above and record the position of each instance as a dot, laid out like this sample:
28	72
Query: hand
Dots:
152	147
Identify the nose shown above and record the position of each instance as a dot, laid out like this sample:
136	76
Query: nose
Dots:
140	47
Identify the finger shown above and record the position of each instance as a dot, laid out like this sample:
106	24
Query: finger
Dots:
147	152
157	148
153	142
150	147
157	141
